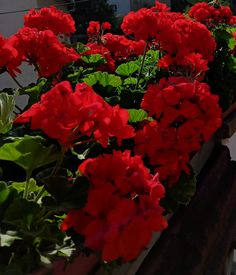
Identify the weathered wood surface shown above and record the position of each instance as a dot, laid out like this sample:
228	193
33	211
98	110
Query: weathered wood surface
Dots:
229	124
199	236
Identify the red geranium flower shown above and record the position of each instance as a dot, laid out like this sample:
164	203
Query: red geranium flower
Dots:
142	24
122	47
122	208
51	19
159	7
66	116
210	15
187	114
10	59
42	48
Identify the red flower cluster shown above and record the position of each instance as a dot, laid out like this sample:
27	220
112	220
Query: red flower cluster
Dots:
189	50
187	45
210	15
142	24
166	150
187	114
9	57
50	19
43	49
160	7
122	208
67	116
121	47
95	30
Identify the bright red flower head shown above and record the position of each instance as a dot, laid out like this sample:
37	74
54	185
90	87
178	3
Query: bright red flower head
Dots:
51	19
188	49
210	15
160	7
66	116
165	150
202	12
10	59
176	100
121	47
122	207
42	48
106	26
187	114
142	24
93	29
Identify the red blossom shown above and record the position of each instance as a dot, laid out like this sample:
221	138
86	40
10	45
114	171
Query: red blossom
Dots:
51	19
210	15
93	29
121	47
189	49
10	59
232	20
42	48
123	206
66	116
187	114
159	7
165	150
106	26
142	24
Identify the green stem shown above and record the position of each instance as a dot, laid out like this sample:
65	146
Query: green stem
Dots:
142	64
16	81
26	190
40	194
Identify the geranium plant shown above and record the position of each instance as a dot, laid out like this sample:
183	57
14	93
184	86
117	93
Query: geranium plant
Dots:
101	152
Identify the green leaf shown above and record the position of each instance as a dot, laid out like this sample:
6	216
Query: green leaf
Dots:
29	152
74	77
137	115
80	47
232	43
130	81
20	186
4	192
7	104
34	91
232	40
22	213
103	78
127	69
222	34
8	238
93	59
65	252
